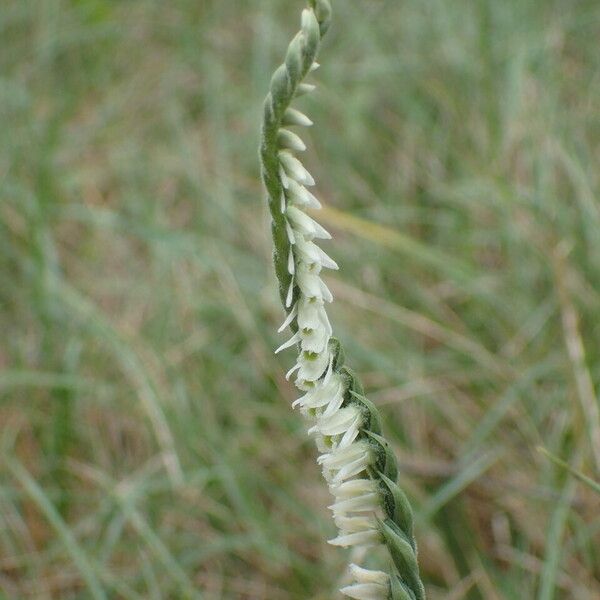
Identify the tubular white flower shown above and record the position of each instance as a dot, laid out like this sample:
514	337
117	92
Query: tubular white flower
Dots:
311	284
314	340
369	576
306	225
294	169
339	422
312	313
322	394
341	457
289	139
352	488
368	502
355	524
350	469
312	364
306	19
366	591
309	253
304	88
369	585
295	117
300	196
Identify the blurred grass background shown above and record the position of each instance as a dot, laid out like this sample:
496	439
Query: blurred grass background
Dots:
148	445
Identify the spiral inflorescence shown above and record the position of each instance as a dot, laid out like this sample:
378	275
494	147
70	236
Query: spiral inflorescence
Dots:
357	462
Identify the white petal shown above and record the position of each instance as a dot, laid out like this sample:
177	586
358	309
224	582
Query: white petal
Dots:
290	233
293	340
285	180
339	421
294	368
320	443
291	263
288	320
334	403
309	252
325	293
351	434
352	469
290	294
338	458
322	394
362	538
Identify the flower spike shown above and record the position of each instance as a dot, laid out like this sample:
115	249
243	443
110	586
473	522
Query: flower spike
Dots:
369	508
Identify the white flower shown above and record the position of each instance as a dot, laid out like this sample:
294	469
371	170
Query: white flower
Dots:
339	422
314	340
312	364
313	337
308	252
366	591
352	488
305	88
370	585
341	457
312	314
310	284
369	576
295	117
294	169
329	394
289	139
300	196
343	463
306	225
367	502
348	525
